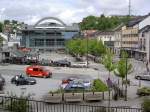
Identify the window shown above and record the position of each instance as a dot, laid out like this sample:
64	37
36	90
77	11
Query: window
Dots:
39	42
50	42
35	69
143	35
60	42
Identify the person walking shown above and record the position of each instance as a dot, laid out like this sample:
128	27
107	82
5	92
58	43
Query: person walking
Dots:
147	67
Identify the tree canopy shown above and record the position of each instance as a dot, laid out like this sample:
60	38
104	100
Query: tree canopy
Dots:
123	66
80	47
108	61
102	23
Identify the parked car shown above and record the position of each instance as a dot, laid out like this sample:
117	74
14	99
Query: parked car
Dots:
79	64
67	80
143	77
62	63
38	71
2	80
23	80
78	85
44	62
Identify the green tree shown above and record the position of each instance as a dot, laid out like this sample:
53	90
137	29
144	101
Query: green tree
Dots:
1	27
80	47
6	22
89	22
14	21
1	40
76	47
102	22
123	66
108	61
96	48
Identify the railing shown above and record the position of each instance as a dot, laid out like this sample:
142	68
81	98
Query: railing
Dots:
11	104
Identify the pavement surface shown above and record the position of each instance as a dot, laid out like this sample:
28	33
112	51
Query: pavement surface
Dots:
94	71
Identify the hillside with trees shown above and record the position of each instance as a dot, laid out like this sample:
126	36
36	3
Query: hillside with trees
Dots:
102	23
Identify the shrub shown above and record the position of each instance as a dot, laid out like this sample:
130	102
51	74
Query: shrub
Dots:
99	86
18	105
146	105
143	91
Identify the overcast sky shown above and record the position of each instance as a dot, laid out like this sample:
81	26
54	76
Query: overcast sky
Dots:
30	11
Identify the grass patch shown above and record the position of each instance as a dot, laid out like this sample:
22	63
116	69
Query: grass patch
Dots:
99	86
146	105
56	91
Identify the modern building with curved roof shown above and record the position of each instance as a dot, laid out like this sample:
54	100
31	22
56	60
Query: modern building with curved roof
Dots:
49	33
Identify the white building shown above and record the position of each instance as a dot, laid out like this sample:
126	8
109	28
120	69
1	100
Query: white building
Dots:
144	42
107	37
144	22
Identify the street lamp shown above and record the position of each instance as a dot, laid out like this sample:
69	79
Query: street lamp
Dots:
126	80
87	45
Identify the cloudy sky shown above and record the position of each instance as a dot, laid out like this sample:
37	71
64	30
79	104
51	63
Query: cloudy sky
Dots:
30	11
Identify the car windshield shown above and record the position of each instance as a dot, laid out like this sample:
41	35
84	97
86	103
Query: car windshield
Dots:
22	76
45	69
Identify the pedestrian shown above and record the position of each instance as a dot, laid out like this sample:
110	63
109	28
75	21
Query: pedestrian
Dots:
147	69
146	63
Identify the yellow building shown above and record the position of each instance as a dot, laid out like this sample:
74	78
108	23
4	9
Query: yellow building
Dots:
130	37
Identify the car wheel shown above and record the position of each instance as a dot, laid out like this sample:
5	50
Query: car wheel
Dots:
44	77
50	75
17	83
28	75
139	78
12	82
29	83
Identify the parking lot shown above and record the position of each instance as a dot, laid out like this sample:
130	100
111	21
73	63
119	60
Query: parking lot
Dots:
43	85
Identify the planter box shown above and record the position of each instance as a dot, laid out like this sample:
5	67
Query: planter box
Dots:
90	96
73	97
53	98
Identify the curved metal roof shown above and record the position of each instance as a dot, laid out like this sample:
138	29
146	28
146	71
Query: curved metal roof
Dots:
54	24
50	24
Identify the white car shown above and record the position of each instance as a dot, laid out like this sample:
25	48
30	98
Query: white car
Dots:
79	64
143	77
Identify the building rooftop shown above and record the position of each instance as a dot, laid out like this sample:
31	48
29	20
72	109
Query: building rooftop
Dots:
104	33
57	25
136	20
145	29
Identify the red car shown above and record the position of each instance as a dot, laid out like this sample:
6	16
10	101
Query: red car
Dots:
38	71
67	80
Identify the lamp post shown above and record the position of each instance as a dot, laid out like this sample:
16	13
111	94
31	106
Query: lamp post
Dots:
87	45
126	80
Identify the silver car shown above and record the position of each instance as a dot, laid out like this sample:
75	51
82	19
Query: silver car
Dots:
143	77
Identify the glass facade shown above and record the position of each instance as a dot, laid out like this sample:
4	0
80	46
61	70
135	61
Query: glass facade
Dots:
50	42
39	42
47	35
